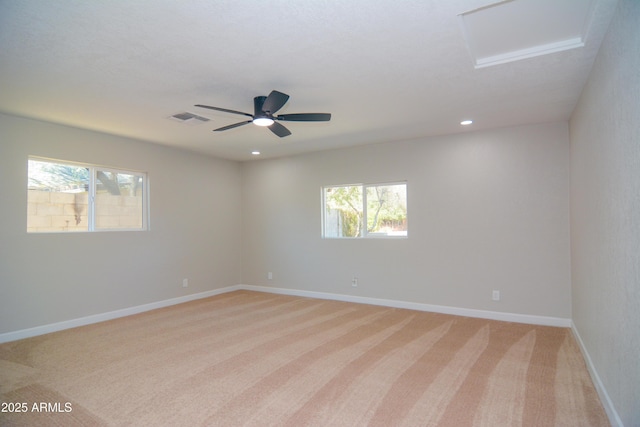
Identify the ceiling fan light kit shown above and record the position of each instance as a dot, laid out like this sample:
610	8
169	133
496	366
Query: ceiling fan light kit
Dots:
264	108
262	121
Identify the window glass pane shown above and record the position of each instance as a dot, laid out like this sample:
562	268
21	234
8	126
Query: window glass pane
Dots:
118	202
343	216
57	197
387	210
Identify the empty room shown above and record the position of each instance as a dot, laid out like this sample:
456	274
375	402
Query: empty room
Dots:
327	213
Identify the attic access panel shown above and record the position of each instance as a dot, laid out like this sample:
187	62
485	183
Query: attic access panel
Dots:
512	30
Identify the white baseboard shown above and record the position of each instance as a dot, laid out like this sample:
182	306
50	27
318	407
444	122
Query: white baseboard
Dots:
96	318
614	418
482	314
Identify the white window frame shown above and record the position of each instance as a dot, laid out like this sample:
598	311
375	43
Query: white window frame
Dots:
91	208
365	232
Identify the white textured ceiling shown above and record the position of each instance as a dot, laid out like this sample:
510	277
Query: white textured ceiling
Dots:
387	70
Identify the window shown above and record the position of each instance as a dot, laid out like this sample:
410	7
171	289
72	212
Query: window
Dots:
372	210
65	196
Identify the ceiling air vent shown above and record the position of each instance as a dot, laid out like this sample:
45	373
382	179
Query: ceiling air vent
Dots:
189	118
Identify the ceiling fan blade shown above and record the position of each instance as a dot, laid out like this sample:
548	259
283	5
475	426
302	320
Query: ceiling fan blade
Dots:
224	109
305	117
279	130
235	125
274	101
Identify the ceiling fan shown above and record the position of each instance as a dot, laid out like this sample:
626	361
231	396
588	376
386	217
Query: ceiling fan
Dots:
264	108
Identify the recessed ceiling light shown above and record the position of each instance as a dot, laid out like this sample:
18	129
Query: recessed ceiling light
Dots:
466	122
255	153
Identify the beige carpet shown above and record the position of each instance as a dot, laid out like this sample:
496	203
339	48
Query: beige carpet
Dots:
256	359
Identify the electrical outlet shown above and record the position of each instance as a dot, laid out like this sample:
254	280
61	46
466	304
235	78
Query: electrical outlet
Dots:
269	276
354	282
495	295
185	283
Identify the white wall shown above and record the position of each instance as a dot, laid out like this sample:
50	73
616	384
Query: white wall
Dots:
487	210
605	213
49	278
